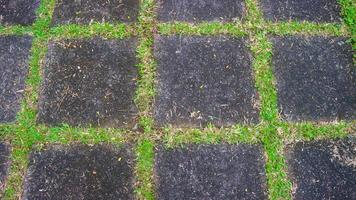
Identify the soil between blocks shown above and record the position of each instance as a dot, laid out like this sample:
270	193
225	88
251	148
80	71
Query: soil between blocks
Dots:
87	11
89	82
20	12
302	10
204	80
14	55
211	172
80	172
4	164
316	79
324	169
195	11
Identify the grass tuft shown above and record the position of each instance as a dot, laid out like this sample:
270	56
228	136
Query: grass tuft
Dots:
306	28
348	8
264	78
279	185
173	137
307	131
104	30
144	170
214	28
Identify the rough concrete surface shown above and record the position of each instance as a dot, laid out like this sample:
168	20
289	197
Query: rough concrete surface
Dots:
18	12
14	55
89	82
197	11
316	78
80	172
210	172
323	169
204	80
87	11
4	163
302	10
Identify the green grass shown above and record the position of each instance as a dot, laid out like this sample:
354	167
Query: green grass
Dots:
306	28
271	132
264	78
349	14
146	84
144	169
307	131
173	137
15	30
104	30
279	186
214	28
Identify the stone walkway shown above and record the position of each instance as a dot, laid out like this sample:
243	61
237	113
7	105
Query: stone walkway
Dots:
177	99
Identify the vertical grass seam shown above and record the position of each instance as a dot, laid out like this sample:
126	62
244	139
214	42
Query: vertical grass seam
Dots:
25	132
146	84
278	184
145	93
144	170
